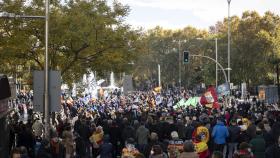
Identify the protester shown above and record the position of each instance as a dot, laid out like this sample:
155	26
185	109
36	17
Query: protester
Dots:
189	151
143	124
274	150
244	151
234	132
258	144
220	134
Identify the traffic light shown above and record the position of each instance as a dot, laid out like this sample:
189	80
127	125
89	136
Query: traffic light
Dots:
186	57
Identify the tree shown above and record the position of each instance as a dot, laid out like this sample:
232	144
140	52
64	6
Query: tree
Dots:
83	35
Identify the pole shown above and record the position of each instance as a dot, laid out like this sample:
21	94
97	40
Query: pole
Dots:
46	93
277	78
216	48
179	50
159	81
229	40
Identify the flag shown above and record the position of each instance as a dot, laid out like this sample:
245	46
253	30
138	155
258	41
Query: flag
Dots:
210	97
179	104
158	100
200	138
157	90
223	89
192	101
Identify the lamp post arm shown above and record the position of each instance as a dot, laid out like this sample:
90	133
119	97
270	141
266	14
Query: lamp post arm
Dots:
207	57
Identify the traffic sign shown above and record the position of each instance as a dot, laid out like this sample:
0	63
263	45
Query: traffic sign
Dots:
54	91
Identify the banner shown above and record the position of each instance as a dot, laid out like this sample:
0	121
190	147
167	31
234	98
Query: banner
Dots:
210	97
223	89
192	101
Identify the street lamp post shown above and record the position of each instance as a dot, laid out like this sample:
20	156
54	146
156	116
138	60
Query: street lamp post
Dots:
46	79
216	50
180	60
229	40
46	85
180	75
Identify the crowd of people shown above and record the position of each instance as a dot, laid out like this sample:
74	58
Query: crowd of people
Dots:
145	125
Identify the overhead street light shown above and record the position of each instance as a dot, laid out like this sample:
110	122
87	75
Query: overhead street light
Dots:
13	15
46	76
180	56
229	39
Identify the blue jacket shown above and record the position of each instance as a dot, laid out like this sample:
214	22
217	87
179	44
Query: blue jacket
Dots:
220	133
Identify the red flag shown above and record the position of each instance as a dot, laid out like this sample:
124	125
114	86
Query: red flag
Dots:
210	97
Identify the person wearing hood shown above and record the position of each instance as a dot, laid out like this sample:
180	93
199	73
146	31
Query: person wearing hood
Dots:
219	135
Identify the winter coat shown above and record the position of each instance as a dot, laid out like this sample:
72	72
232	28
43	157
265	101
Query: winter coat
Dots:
142	135
258	146
44	153
84	132
273	151
106	150
38	128
220	133
234	132
128	132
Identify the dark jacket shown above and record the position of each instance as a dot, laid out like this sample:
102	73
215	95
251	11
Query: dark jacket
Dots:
44	153
234	132
189	131
273	151
128	132
84	131
106	150
142	135
258	146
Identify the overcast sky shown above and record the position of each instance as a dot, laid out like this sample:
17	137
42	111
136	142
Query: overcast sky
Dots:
198	13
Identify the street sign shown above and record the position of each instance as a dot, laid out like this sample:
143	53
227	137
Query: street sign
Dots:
243	90
54	91
127	84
